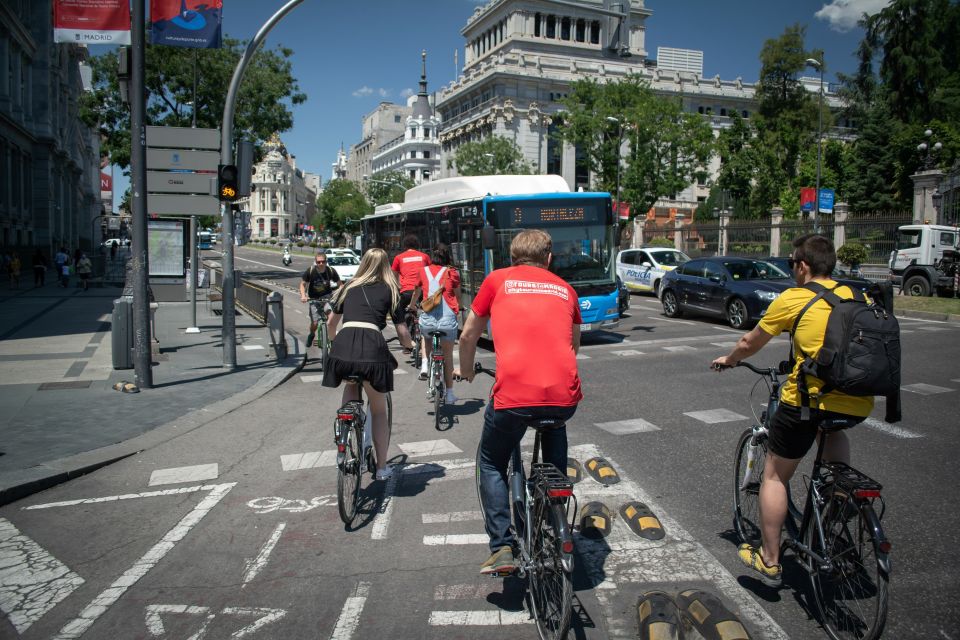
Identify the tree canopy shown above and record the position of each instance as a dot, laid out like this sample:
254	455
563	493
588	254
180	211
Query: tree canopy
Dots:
490	156
389	186
266	93
340	207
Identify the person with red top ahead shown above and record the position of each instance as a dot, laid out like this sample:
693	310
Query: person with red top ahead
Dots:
444	316
408	265
531	311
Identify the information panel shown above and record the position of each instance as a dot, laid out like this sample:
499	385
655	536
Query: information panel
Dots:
551	213
165	246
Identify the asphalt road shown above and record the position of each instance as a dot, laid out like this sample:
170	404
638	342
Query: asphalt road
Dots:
246	542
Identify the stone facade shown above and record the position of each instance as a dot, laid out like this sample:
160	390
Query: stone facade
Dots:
383	124
49	161
280	201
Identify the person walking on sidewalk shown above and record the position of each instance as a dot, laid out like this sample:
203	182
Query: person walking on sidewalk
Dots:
84	270
62	261
360	348
443	317
317	282
408	266
39	268
14	268
531	311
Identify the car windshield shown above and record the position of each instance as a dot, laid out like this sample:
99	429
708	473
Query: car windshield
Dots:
670	258
342	261
754	270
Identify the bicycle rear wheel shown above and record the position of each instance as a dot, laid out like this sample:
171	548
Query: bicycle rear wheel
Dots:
852	594
746	496
438	392
348	473
551	587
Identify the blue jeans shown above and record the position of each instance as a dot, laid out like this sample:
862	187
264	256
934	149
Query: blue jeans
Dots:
502	431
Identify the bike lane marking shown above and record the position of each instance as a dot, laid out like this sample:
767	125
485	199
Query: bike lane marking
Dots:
254	565
349	618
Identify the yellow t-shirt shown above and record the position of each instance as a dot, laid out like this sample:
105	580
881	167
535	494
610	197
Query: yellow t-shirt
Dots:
780	316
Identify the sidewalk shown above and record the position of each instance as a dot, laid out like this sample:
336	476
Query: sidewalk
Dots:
61	415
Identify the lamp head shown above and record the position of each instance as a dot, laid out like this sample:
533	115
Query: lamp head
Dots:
816	64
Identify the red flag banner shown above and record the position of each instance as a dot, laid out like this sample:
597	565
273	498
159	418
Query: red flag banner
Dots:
186	23
808	198
91	21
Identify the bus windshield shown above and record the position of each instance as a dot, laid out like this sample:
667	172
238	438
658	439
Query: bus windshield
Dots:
580	254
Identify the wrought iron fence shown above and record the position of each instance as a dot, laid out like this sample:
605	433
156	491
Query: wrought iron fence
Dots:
875	231
700	240
748	238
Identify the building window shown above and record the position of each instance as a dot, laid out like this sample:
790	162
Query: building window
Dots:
565	29
536	24
700	110
581	170
581	30
413	154
746	114
413	132
396	118
554	151
551	26
595	32
426	132
723	111
426	154
413	174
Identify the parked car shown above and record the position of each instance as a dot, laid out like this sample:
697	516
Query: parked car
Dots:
840	276
643	269
346	265
109	242
623	297
737	289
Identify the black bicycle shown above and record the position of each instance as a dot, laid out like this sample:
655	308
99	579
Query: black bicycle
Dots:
322	335
413	326
541	506
837	538
436	385
354	449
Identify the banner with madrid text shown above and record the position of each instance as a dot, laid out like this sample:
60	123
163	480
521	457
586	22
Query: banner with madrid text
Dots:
91	21
194	24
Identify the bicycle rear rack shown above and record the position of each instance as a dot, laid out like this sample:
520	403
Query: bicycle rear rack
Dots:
850	480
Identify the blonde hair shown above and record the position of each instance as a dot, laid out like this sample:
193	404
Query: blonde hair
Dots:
374	267
532	246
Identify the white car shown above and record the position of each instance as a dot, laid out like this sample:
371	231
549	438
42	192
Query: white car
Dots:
345	265
643	269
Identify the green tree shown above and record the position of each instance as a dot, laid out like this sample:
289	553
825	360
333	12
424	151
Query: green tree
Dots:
667	149
490	156
263	103
390	186
340	207
737	160
871	185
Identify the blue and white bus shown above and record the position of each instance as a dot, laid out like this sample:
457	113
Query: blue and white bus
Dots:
478	216
204	240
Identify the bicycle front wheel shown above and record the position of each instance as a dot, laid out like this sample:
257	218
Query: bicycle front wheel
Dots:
747	475
551	586
851	592
323	340
348	473
438	392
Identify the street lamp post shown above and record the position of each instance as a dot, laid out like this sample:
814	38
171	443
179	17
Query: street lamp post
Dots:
818	65
619	143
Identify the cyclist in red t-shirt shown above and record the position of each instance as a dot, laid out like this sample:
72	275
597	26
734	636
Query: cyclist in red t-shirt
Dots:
531	310
408	266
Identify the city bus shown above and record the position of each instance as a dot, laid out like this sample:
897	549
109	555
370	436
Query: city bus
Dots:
204	240
478	216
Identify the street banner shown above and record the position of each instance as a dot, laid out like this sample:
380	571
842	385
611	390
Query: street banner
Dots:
91	21
825	203
808	198
193	24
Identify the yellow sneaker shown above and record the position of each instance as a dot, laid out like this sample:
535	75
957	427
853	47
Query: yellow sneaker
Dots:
499	563
750	556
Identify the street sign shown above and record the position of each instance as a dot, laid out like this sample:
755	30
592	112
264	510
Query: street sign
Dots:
825	202
169	182
807	198
181	160
183	138
180	205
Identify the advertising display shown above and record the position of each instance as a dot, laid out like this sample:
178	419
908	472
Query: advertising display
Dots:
808	197
165	247
91	21
186	23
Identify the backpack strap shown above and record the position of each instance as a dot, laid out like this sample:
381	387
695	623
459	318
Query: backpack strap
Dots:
820	293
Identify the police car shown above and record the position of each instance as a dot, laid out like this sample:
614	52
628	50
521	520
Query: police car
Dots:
642	269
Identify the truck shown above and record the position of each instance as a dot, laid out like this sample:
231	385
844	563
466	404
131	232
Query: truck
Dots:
926	259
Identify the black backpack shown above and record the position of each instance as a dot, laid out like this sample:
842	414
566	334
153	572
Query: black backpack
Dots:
860	355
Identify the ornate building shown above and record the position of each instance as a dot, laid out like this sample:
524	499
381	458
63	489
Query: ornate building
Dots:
280	201
416	151
384	123
49	160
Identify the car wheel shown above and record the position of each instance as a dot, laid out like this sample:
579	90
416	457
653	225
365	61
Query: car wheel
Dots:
671	307
917	286
656	288
737	314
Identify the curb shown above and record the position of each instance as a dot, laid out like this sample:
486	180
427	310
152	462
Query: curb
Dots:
22	483
952	318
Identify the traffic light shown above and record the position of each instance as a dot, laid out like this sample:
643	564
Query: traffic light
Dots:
228	188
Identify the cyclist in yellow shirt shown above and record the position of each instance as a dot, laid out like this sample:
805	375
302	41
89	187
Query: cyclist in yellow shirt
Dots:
791	436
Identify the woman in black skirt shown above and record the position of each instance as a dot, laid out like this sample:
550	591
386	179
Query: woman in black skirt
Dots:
360	349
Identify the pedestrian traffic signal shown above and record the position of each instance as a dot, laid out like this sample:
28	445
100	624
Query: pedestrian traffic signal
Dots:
228	188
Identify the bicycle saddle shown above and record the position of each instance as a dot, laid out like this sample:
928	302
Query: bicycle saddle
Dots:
437	333
545	423
355	379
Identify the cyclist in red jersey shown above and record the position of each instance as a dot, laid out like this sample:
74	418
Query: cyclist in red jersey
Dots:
531	310
408	265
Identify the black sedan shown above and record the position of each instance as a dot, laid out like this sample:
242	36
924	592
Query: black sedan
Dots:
838	276
738	289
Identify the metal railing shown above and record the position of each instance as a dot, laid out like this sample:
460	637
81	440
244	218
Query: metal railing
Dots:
250	298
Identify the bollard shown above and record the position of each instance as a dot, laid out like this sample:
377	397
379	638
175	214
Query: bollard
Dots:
278	337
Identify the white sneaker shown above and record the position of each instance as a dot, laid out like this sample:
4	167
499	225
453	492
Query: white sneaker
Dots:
423	373
385	473
451	397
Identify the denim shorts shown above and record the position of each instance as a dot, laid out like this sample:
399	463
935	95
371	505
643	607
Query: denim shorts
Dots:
447	324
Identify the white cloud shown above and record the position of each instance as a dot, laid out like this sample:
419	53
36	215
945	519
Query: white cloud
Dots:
842	15
383	92
406	93
362	92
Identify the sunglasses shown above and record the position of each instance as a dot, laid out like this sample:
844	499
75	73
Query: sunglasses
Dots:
793	263
321	262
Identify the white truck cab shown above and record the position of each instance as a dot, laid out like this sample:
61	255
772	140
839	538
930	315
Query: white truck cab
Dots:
917	264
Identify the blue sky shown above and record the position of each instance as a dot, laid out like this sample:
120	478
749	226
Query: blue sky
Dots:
349	56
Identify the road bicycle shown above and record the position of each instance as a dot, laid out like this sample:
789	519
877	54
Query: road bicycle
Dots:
322	336
355	451
413	326
837	538
436	387
541	504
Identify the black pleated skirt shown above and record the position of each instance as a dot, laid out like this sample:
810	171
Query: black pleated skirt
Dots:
363	352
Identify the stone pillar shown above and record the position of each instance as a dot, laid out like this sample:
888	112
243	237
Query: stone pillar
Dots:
638	227
724	221
924	184
678	232
776	219
840	213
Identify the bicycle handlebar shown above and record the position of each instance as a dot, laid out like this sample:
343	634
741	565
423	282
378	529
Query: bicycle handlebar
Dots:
781	369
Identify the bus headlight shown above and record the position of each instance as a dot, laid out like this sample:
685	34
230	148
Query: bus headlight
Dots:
611	312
